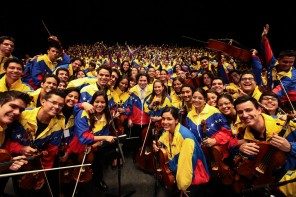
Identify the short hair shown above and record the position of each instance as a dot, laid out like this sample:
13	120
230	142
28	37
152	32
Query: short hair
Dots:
3	38
268	93
60	93
246	98
225	95
174	111
287	53
246	72
142	74
13	60
51	76
104	67
11	95
77	58
64	69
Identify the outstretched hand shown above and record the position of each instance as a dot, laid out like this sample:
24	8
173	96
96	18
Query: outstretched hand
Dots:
265	30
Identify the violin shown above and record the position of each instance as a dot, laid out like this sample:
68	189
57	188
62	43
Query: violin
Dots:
260	169
162	170
5	160
214	155
119	122
229	49
33	181
84	174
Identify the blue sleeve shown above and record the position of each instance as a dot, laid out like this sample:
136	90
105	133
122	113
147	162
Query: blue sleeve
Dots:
81	129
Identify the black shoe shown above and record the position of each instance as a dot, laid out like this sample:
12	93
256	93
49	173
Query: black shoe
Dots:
102	186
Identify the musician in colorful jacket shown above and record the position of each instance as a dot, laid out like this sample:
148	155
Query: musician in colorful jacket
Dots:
208	125
92	131
103	77
281	73
41	65
186	158
39	129
280	134
13	68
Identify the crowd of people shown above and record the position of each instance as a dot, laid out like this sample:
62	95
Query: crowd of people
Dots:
218	123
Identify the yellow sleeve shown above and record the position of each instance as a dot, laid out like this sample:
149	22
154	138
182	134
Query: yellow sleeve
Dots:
185	170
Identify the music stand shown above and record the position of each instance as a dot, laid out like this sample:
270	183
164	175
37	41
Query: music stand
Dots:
119	156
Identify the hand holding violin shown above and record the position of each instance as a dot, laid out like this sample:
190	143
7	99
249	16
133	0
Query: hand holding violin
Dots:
19	161
249	148
281	143
155	147
28	150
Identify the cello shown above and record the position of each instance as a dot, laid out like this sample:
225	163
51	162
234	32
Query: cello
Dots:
229	49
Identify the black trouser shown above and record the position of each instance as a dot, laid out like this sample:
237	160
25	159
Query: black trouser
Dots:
134	139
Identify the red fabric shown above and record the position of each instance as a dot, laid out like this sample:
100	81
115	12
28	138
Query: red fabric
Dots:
137	114
200	174
13	147
48	159
75	146
267	49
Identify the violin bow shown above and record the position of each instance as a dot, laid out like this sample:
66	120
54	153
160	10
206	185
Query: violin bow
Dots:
142	148
287	95
46	28
87	150
43	170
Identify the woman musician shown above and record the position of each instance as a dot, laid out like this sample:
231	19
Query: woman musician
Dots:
186	159
92	130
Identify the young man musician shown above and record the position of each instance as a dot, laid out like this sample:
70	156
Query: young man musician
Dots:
263	128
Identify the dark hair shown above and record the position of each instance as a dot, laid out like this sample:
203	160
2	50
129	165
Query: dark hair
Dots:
60	93
217	78
77	58
71	89
246	72
51	76
13	60
120	79
106	111
11	95
225	95
163	94
244	99
3	38
104	67
62	69
142	74
202	91
174	111
268	93
287	53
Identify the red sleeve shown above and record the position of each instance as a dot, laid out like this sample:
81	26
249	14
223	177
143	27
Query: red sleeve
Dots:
13	147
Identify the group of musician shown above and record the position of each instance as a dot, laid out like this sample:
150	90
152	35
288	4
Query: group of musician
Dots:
224	129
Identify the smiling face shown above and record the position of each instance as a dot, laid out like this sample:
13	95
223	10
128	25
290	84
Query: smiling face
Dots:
99	104
168	122
11	111
14	71
72	98
225	106
248	113
198	100
247	83
158	88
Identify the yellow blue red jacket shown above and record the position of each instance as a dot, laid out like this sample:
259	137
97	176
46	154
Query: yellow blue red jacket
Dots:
17	85
23	133
186	158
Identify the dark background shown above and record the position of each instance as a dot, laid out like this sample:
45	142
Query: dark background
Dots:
143	22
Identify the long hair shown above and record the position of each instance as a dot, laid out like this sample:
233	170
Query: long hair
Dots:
163	94
106	111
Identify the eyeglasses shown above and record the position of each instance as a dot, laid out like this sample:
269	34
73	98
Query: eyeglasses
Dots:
247	79
54	103
266	98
